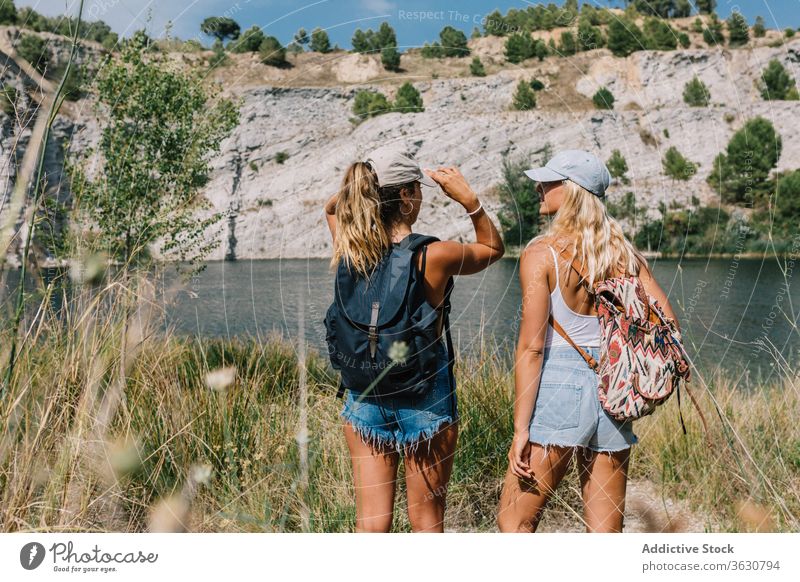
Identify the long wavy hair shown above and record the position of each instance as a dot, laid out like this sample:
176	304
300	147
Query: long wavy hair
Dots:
593	237
365	215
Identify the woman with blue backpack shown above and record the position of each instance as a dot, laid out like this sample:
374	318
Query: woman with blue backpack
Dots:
388	332
598	347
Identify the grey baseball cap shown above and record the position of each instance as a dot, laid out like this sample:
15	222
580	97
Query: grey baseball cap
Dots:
394	165
583	168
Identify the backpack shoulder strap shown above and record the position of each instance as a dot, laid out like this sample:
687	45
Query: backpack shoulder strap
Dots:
577	267
585	355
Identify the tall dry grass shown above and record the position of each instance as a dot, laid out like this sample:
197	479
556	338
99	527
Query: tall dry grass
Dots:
202	435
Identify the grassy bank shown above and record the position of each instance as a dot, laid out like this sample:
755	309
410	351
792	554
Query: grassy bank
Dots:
163	446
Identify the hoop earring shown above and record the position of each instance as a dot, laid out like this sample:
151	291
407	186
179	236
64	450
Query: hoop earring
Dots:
407	213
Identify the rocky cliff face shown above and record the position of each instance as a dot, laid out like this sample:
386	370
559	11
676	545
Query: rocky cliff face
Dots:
275	209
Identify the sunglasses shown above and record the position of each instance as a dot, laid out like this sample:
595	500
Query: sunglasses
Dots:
540	186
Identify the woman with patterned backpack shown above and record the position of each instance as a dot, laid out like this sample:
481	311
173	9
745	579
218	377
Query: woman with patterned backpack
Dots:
598	347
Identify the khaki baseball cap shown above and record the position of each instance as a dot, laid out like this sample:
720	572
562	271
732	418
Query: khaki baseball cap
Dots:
394	165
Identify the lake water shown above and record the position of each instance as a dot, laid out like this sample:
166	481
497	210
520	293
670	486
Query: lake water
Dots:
726	307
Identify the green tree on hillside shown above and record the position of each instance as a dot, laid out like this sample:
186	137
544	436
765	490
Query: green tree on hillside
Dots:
272	52
676	166
695	93
603	99
589	36
371	41
519	213
249	41
659	35
320	43
712	33
618	166
624	37
742	173
8	13
683	8
453	42
777	84
160	129
787	204
759	30
390	58
34	49
524	97
567	46
519	47
660	8
301	37
370	104
738	30
706	6
408	100
494	25
220	27
476	67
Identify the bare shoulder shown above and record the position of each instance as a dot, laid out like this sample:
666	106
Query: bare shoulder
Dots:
535	260
644	268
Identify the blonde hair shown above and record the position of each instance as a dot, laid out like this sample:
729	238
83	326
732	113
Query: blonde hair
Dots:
596	239
365	214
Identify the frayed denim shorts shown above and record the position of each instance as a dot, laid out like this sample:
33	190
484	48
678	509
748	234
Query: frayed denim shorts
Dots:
404	422
568	410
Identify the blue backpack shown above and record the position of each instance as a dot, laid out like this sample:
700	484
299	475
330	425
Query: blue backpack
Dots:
369	314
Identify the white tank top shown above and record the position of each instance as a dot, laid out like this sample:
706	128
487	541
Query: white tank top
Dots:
583	329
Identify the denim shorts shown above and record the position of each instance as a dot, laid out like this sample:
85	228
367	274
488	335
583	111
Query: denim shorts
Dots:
403	422
568	411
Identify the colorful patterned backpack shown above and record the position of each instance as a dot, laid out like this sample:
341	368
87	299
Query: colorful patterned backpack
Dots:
642	359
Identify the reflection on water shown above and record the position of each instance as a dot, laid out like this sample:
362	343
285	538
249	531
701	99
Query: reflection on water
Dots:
725	306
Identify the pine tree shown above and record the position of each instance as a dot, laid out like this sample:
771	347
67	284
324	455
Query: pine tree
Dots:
738	31
777	84
408	100
742	172
618	166
659	35
589	36
695	93
519	47
603	99
320	43
454	42
272	52
524	97
676	166
624	37
759	30
476	67
390	59
706	6
712	33
301	37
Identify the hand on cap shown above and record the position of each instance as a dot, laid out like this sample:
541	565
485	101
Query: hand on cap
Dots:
455	186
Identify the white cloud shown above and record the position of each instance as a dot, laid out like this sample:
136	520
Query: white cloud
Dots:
377	6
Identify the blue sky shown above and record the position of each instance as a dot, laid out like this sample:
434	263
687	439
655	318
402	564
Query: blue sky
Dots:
340	18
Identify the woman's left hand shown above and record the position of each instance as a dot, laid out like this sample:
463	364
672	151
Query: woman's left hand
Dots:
519	456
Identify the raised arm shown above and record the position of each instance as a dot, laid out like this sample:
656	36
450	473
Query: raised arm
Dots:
456	258
533	278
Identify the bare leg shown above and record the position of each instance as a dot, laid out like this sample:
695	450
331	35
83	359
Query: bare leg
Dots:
427	475
522	502
604	478
374	477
